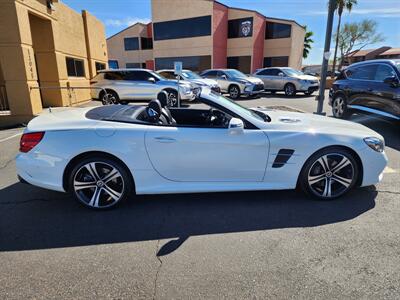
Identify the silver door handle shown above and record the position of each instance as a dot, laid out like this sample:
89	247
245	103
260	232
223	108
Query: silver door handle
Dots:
163	139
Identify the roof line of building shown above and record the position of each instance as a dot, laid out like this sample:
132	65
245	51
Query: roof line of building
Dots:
254	11
127	29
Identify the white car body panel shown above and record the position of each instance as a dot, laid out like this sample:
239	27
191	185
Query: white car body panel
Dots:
191	159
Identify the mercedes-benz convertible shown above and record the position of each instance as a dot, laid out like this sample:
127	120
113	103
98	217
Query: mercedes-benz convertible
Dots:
105	155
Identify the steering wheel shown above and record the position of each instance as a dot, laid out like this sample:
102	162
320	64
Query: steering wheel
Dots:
216	118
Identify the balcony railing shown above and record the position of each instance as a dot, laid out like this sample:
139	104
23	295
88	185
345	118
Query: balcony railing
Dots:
4	107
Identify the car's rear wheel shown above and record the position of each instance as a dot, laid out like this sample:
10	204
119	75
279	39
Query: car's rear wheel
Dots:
290	90
329	174
234	92
172	99
339	107
100	182
109	97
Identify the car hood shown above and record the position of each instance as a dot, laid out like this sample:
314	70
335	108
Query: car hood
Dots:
306	77
204	81
315	124
253	80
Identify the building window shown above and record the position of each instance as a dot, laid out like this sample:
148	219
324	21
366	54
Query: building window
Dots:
277	61
131	43
184	28
194	63
132	65
277	30
100	66
146	43
113	64
241	63
240	28
75	67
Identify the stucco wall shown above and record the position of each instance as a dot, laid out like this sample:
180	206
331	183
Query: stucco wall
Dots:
220	35
35	40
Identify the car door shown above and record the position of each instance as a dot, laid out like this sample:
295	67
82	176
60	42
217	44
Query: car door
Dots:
114	80
193	154
267	78
139	86
386	94
223	80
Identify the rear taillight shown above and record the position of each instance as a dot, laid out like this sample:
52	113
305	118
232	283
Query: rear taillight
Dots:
29	141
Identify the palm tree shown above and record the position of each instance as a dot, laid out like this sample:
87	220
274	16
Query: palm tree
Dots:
307	43
340	6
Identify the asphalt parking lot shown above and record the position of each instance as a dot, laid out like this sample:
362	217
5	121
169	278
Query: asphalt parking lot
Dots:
253	245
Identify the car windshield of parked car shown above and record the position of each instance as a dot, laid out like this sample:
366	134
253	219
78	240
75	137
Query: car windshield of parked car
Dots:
293	72
233	106
190	75
235	74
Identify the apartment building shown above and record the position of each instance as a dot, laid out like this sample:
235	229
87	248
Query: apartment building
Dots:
206	34
44	43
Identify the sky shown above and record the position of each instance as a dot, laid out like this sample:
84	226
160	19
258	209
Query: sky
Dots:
118	14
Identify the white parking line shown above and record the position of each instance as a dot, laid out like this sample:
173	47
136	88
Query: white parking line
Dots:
10	137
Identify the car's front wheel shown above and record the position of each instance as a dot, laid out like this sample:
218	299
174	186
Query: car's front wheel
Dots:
172	99
290	90
234	92
100	182
339	107
329	174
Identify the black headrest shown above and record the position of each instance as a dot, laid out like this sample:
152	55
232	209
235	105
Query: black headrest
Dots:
163	98
155	105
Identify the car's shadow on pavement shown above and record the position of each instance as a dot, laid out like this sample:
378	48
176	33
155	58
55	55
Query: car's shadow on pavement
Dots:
387	128
32	218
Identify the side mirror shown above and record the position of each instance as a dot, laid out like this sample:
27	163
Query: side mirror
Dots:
152	80
392	81
281	74
236	126
224	77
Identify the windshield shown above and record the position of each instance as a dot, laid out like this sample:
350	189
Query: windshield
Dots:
233	106
235	74
292	72
190	75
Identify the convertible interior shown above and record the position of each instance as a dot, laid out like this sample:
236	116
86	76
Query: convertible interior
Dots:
158	113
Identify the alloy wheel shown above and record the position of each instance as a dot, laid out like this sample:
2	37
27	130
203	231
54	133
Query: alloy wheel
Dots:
98	185
172	100
234	92
331	175
109	98
338	107
289	90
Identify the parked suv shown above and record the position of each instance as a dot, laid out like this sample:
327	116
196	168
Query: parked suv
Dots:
288	80
122	85
371	86
192	77
235	82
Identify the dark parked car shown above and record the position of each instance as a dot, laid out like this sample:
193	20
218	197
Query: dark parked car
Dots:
371	86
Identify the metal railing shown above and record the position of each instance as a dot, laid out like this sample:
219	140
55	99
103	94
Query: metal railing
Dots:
4	106
71	92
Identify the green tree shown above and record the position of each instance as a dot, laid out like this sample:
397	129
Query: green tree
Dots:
357	35
308	41
341	5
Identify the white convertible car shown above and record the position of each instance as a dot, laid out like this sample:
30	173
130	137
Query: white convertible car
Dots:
105	154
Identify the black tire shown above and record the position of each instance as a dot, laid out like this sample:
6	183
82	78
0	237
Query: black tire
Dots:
290	90
339	107
234	92
322	182
172	100
104	190
109	97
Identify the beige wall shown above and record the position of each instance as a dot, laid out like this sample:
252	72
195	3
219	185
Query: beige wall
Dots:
116	49
240	46
34	42
182	9
292	47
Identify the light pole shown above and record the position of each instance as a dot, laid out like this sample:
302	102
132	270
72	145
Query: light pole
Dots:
325	59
